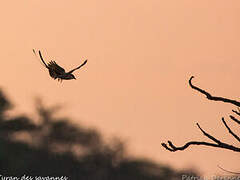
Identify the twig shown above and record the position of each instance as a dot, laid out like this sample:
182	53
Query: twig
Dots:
235	119
230	131
210	97
238	113
227	170
209	136
219	144
173	148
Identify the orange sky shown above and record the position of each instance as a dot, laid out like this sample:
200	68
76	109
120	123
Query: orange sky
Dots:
135	84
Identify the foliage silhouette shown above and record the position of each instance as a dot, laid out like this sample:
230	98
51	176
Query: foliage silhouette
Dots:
56	147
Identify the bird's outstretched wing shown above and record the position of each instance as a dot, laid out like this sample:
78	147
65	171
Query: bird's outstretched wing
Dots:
40	54
56	68
78	67
40	58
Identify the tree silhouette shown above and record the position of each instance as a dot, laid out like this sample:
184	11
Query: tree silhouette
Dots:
55	147
216	142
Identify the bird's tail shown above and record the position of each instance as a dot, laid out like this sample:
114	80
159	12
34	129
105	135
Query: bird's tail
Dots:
40	58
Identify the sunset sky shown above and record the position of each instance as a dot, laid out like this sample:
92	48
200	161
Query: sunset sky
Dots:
141	55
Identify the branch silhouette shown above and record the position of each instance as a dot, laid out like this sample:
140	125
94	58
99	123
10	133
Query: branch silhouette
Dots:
231	172
214	98
217	143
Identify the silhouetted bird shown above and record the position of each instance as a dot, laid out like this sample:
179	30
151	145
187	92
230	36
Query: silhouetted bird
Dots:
56	71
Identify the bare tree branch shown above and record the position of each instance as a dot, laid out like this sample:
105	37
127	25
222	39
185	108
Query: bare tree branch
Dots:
230	131
209	136
218	144
214	98
238	113
235	119
173	148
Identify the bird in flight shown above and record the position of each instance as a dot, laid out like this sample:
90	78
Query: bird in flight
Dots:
56	71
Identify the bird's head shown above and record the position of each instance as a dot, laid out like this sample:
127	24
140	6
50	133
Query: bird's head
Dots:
72	76
68	76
